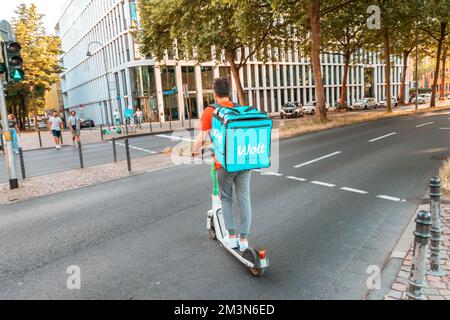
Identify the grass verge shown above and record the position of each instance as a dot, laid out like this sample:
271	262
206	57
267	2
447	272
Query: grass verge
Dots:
296	127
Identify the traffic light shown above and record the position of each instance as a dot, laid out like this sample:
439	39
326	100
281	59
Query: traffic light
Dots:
13	61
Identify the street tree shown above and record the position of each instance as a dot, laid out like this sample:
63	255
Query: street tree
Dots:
203	30
40	55
437	28
392	18
344	33
308	15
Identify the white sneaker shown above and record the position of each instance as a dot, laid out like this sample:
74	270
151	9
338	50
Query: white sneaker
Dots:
231	242
58	147
243	244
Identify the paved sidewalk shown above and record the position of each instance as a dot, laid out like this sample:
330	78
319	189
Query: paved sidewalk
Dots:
438	288
73	179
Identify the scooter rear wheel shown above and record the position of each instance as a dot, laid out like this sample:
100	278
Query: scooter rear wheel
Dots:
251	255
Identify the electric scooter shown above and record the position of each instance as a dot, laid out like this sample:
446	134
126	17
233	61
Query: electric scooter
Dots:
253	258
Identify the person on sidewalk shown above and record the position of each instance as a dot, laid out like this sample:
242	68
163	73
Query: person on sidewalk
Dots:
14	131
116	116
55	125
139	117
75	128
227	180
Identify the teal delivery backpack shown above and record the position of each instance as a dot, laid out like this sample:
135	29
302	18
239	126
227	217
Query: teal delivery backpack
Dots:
241	138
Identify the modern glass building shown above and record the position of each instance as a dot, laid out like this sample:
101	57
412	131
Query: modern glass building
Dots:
116	76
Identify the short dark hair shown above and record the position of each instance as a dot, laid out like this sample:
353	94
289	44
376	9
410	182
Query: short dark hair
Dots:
222	87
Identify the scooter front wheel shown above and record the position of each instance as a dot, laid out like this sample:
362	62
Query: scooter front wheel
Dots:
211	231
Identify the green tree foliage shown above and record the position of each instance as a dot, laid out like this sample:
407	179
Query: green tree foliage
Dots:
437	27
202	30
40	55
345	33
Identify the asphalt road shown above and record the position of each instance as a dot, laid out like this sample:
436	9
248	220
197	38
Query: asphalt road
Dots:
337	205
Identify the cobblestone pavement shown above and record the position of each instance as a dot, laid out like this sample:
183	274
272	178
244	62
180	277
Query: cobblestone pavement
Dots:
63	181
438	288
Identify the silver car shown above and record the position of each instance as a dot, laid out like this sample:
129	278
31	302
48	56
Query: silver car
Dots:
365	104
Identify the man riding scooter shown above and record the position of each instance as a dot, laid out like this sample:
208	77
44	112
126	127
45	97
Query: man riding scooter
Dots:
226	180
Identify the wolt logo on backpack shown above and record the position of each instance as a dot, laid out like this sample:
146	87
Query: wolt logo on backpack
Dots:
241	138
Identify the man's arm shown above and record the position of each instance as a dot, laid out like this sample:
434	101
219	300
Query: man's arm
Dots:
199	142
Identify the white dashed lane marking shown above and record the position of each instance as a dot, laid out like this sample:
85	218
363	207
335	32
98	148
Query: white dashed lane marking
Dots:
389	198
382	137
295	178
330	185
424	124
318	159
320	183
354	190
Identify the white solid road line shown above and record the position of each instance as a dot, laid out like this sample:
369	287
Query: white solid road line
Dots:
389	198
318	159
174	138
295	178
136	148
320	183
424	124
382	137
354	190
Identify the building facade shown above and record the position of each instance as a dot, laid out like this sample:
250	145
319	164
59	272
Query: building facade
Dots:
426	68
116	76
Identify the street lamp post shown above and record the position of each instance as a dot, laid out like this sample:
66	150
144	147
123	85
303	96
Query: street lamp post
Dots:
89	54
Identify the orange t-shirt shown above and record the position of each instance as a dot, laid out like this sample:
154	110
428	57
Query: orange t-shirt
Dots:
206	123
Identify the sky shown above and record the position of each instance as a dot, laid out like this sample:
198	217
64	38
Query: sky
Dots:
51	9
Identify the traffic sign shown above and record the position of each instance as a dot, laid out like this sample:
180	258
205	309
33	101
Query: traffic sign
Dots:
6	31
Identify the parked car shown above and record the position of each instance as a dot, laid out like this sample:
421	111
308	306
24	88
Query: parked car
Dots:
291	110
383	102
365	104
422	98
87	123
310	107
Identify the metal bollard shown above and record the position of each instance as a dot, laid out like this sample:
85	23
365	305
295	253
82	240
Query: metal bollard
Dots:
435	241
22	164
101	131
126	126
40	138
80	152
417	280
127	149
1	142
61	138
114	149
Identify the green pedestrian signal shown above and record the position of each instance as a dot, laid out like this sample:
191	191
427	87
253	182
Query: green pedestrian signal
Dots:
13	61
18	75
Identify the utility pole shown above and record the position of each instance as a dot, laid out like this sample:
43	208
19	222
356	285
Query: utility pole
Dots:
8	145
7	34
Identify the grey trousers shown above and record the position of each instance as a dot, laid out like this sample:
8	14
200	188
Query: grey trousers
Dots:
241	181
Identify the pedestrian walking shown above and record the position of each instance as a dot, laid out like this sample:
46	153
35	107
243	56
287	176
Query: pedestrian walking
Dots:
56	127
14	131
139	117
75	128
116	116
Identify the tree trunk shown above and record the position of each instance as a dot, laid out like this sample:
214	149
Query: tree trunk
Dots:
344	80
314	16
444	57
387	61
401	99
237	78
438	63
